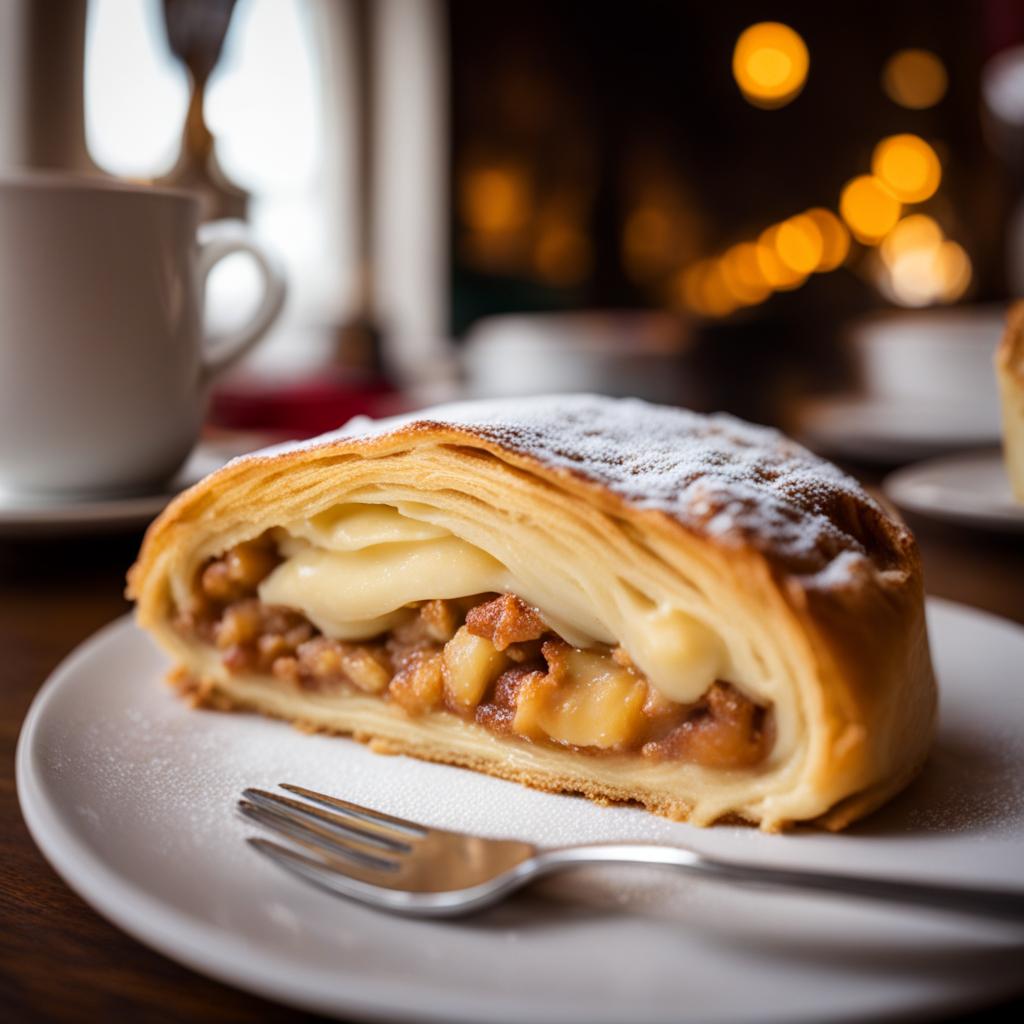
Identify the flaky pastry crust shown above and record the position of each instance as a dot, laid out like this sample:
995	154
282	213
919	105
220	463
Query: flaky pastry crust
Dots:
799	571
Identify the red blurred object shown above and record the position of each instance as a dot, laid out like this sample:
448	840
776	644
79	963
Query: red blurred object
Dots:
302	408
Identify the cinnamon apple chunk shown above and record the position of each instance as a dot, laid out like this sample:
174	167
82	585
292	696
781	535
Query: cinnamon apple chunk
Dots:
471	664
586	699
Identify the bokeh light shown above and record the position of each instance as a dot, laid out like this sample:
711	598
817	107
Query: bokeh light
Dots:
799	244
918	266
869	208
495	199
954	271
778	274
913	278
743	274
782	259
770	64
705	291
908	166
923	277
915	79
918	231
835	239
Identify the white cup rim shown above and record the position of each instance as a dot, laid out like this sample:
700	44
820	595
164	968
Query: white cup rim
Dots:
65	181
972	314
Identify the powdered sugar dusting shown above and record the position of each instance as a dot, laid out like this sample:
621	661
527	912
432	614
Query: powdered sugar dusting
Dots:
742	484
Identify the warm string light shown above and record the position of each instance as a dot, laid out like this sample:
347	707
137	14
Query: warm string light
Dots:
915	79
743	276
781	259
916	266
869	208
495	200
919	266
509	231
770	64
908	166
835	239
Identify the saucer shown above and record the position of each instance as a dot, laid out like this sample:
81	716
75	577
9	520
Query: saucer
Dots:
970	490
38	516
890	430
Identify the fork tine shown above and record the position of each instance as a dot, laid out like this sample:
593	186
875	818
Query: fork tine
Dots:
360	813
380	839
315	838
358	883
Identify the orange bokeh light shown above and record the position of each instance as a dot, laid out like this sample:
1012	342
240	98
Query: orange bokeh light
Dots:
780	276
743	275
908	166
918	231
495	199
770	64
705	291
869	208
835	239
799	245
915	79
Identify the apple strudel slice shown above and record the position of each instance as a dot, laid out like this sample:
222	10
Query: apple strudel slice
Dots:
583	594
1009	363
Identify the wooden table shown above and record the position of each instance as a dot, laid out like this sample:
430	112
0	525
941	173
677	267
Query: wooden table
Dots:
61	961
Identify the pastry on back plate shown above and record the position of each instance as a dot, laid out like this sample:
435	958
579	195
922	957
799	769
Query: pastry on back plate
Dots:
1010	376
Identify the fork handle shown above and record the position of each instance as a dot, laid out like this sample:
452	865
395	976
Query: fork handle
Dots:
1005	905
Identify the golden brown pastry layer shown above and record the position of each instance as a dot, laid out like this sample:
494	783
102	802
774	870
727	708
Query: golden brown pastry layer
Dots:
1009	363
706	548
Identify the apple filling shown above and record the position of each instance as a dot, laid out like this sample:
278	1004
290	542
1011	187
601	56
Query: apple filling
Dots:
489	658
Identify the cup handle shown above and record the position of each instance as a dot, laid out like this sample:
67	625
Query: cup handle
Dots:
222	349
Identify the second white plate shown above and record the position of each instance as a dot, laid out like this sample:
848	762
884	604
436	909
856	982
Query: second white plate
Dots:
970	489
876	429
131	797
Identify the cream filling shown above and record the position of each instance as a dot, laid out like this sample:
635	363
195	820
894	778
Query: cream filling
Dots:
353	569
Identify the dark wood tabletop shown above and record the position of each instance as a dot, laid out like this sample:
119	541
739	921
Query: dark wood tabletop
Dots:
61	961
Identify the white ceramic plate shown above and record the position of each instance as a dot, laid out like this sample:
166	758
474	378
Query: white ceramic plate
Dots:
29	516
891	430
130	795
971	489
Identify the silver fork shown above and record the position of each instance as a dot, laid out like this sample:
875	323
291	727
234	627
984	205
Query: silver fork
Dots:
407	868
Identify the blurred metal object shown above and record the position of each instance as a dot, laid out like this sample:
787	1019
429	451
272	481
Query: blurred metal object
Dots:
196	30
42	61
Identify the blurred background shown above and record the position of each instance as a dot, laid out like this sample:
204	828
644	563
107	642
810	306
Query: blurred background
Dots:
806	214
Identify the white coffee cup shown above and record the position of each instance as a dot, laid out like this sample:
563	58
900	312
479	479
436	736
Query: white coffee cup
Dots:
942	356
104	364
